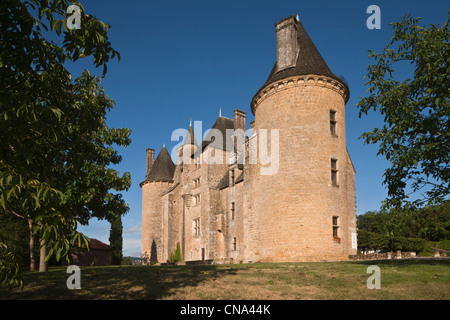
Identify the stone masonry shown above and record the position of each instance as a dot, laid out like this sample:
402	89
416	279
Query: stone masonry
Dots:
216	203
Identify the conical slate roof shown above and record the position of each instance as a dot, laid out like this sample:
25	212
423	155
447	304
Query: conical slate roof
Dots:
219	130
309	61
190	137
163	168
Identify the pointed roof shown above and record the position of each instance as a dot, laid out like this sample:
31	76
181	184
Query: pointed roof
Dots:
163	167
222	124
309	60
190	137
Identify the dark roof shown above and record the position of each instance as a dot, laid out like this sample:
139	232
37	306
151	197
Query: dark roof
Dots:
224	182
98	245
309	61
163	167
221	125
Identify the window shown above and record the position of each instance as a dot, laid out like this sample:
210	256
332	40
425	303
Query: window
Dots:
197	199
233	211
196	183
232	177
333	122
196	227
336	228
334	172
234	244
196	163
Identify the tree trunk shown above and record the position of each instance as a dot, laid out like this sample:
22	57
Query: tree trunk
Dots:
43	267
32	257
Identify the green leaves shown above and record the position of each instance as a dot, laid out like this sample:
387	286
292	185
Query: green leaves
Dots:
415	137
56	150
10	272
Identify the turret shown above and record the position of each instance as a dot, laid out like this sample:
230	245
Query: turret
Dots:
158	180
306	209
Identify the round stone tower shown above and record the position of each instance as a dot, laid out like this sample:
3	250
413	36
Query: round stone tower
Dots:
158	180
305	209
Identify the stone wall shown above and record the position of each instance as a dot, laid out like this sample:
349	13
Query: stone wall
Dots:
152	210
384	255
289	217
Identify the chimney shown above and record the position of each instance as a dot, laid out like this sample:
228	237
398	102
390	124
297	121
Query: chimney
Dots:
239	134
287	44
239	119
150	160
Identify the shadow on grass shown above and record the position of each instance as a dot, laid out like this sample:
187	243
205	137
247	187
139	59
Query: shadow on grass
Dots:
116	282
168	282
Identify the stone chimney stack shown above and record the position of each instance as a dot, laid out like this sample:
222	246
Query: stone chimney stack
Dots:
287	44
239	119
150	159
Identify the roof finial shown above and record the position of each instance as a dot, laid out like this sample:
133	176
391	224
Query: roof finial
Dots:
220	111
164	145
298	18
190	122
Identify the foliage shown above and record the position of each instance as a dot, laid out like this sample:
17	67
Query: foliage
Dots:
10	272
127	261
427	250
15	234
373	241
56	148
115	241
430	223
443	244
416	135
176	255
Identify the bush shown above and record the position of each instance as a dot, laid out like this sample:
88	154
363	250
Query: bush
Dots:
427	250
373	241
126	261
443	244
176	255
405	244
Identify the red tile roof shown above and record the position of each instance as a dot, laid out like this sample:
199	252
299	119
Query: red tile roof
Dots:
95	245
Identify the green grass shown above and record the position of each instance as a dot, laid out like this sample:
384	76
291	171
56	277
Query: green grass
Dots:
406	279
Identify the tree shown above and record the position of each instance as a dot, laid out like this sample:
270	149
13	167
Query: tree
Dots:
115	241
176	255
46	175
429	223
14	232
416	135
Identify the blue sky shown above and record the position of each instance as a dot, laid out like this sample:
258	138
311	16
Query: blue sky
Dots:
187	59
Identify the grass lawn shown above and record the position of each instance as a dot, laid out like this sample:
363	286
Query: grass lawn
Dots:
427	279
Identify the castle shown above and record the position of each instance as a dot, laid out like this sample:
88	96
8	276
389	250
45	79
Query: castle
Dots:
219	206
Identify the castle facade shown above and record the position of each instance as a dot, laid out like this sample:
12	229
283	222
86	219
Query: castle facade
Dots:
282	190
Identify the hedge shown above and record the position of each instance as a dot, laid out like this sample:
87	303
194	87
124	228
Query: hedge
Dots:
373	241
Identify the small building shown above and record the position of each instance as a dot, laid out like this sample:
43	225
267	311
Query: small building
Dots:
98	255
